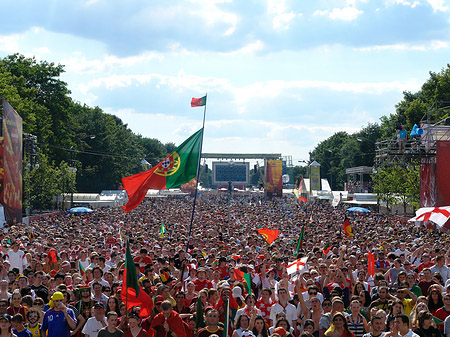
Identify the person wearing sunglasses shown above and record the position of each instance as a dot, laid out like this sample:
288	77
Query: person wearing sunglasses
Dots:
33	325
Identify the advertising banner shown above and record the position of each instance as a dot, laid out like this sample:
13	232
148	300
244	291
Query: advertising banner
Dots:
315	176
11	189
273	176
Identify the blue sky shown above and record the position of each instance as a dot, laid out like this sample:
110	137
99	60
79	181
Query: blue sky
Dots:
281	76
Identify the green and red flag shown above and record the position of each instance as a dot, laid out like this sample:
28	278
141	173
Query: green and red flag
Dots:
53	255
132	295
300	239
326	249
177	169
240	275
347	227
198	101
270	235
81	268
226	323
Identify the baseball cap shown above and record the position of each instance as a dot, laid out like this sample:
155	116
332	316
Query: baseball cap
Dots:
99	305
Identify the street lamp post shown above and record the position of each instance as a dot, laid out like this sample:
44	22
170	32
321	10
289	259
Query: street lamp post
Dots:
71	168
230	188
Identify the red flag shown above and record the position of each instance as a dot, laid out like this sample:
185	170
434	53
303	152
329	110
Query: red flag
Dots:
269	234
371	264
132	295
198	101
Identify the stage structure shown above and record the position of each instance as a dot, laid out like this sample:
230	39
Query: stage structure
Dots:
232	171
429	150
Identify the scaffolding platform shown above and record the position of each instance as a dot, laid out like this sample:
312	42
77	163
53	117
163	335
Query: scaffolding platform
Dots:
420	149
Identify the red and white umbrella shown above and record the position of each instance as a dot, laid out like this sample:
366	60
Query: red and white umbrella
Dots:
438	215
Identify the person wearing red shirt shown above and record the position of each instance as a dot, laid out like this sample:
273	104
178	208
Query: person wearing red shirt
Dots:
444	312
426	262
265	304
143	259
223	267
168	323
201	281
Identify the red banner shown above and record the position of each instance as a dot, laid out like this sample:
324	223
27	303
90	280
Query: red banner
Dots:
11	189
442	173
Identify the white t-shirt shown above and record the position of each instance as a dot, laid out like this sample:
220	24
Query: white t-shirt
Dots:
92	326
290	310
16	259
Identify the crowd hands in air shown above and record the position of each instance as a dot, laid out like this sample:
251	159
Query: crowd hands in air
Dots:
62	275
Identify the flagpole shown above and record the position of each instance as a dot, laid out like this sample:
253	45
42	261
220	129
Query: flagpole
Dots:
197	176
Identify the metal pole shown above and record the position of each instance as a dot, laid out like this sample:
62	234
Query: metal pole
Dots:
71	187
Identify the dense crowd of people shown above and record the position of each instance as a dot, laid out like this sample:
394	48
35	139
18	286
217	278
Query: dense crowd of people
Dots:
62	276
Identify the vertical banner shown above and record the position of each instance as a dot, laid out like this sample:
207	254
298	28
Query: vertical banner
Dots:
273	177
314	169
442	173
427	185
11	192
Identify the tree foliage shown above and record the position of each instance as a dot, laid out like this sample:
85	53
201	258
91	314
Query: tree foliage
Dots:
70	135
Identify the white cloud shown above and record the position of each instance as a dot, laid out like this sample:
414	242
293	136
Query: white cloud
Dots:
407	3
439	5
212	15
432	45
251	48
343	14
282	21
9	43
42	50
80	65
282	18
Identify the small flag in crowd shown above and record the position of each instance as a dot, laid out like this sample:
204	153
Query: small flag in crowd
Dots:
82	270
326	249
239	275
162	231
296	266
270	235
347	227
132	295
300	239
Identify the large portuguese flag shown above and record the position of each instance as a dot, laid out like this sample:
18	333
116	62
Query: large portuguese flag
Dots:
178	168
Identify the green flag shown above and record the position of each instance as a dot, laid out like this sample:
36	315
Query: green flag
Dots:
199	320
248	279
300	239
227	318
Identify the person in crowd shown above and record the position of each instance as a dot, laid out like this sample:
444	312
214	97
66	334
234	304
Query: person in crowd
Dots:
58	320
111	329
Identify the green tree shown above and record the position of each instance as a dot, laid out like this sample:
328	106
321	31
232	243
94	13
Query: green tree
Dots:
398	185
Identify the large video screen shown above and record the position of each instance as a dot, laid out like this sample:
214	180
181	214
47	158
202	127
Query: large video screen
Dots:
237	173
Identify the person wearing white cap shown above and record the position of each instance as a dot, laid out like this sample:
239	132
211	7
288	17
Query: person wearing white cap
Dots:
96	323
65	266
237	294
